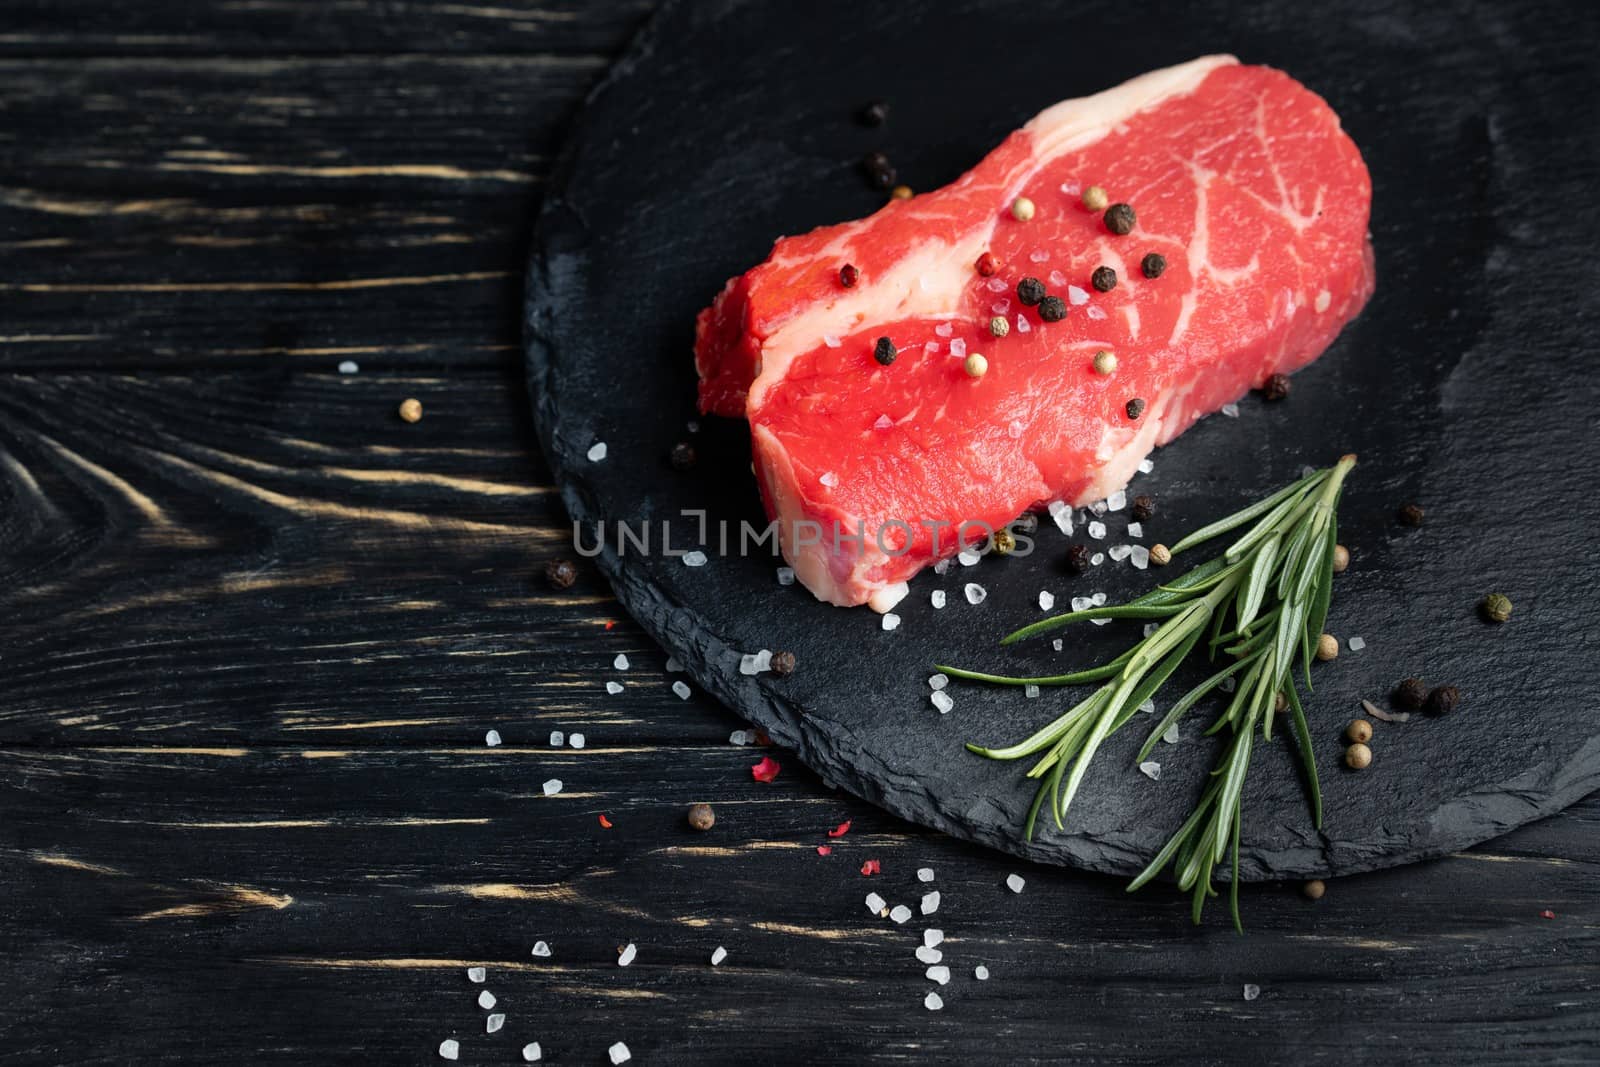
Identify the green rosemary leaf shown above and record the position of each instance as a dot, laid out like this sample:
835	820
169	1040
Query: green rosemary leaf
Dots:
1092	674
1233	886
1244	515
1171	848
1047	736
1261	530
1255	583
1156	679
1308	759
1118	611
1185	702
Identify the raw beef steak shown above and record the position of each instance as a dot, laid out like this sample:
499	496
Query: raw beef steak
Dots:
1240	178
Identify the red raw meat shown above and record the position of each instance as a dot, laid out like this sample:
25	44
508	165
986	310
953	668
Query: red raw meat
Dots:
1241	178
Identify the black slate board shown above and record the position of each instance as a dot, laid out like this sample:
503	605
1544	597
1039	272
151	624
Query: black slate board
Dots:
1464	387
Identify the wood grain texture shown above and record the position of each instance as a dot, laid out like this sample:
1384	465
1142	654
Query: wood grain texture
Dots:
253	628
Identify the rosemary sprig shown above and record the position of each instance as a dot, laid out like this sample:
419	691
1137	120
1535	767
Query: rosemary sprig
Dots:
1271	587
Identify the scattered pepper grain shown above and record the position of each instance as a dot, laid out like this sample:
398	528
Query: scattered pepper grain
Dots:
683	456
884	351
701	817
1022	209
880	173
875	113
1095	199
975	365
1358	757
1104	362
1120	218
1005	542
1313	889
1276	387
1144	506
849	275
999	326
411	409
1052	309
1410	694
1327	647
1153	265
1135	407
1077	560
1410	515
1104	279
988	264
1442	700
1359	731
1030	291
782	664
1496	607
1160	555
561	573
1341	559
901	192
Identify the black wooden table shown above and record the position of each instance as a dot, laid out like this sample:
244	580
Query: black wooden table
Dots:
254	628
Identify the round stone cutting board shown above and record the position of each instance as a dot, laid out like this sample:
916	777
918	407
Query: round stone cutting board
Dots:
1467	386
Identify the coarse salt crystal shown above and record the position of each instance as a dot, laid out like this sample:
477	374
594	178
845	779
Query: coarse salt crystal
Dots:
1146	466
1030	691
1096	313
613	688
1058	644
933	936
958	348
930	902
1071	188
739	737
1228	684
932	348
718	956
450	1049
1062	514
673	665
1139	557
944	329
1117	501
975	593
575	741
1098	507
531	1052
1000	307
969	557
1135	529
1230	410
541	949
627	955
1097	559
492	738
682	689
1170	735
890	621
1357	644
552	787
1015	882
943	566
875	903
1251	991
942	701
477	974
621	662
1076	296
693	426
619	1053
1150	628
829	479
557	738
493	1023
996	284
1097	529
1307	471
1148	707
1047	600
925	874
755	662
900	913
1038	255
1151	770
933	1002
883	423
1118	553
1098	598
1057	278
938	681
785	575
981	973
830	340
1081	603
939	974
349	366
597	452
936	598
1022	323
929	955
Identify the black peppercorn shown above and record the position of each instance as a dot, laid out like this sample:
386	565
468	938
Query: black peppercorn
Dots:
1030	291
1120	219
884	351
1409	694
1154	264
1442	700
1052	309
782	664
849	275
561	573
873	114
880	173
1103	279
1410	515
1276	387
1135	408
1144	506
682	456
1078	559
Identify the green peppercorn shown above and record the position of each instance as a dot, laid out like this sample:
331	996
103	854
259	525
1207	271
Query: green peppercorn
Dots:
1496	607
1120	219
1052	309
1442	700
884	351
1104	279
1135	407
1153	265
1030	291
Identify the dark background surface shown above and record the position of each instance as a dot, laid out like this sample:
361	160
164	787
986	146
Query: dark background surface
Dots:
253	629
